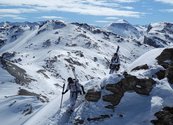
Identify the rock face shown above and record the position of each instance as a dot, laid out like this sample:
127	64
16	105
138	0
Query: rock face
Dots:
165	59
141	67
40	97
164	117
93	95
19	73
170	74
161	74
154	41
129	83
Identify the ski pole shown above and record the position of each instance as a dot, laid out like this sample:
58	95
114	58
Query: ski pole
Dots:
118	47
62	95
74	73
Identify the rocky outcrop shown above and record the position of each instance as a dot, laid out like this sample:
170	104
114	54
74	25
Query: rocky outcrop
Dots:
129	83
161	74
169	74
93	95
114	98
20	74
154	41
164	117
40	97
165	59
101	117
140	67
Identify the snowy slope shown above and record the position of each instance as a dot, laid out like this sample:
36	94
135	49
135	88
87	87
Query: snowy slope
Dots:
133	109
159	34
125	29
45	50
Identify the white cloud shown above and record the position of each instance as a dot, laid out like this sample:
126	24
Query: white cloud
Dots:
85	7
111	18
167	10
165	1
51	17
12	16
16	11
103	21
126	1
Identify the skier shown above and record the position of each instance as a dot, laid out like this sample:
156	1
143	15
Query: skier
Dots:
75	89
115	63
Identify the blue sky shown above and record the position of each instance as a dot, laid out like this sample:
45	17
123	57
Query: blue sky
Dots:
95	12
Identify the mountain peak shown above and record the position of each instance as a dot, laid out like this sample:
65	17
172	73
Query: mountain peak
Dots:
121	21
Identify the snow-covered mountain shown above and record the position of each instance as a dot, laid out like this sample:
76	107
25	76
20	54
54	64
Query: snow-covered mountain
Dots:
125	29
36	60
159	34
156	34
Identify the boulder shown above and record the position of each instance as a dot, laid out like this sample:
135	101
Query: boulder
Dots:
144	86
129	83
114	99
164	117
165	58
161	74
93	95
114	88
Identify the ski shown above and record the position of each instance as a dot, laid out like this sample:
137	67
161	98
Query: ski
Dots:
62	95
118	47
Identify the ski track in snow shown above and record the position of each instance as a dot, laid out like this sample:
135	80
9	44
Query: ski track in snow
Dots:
44	113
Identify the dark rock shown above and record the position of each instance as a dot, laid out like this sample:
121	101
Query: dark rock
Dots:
164	117
114	88
43	72
114	99
149	27
20	74
144	86
47	43
110	107
2	42
40	97
169	74
79	121
161	74
7	55
154	41
28	109
95	59
93	95
71	61
165	58
101	117
41	31
140	67
129	83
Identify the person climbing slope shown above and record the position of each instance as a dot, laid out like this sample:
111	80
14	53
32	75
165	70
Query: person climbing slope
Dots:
115	62
75	89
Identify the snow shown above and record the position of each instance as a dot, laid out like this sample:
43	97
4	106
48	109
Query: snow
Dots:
48	65
148	58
